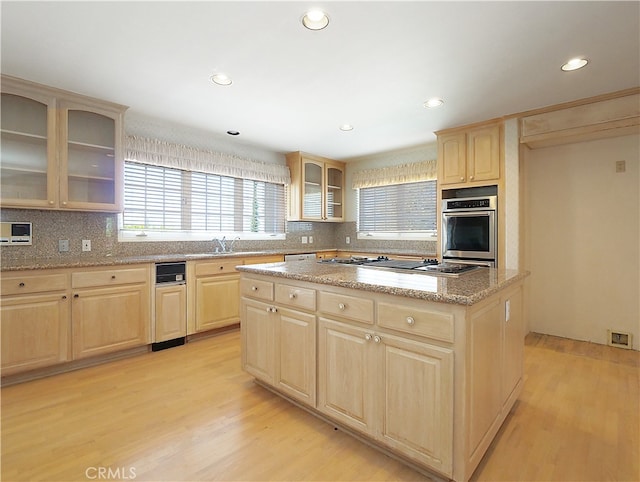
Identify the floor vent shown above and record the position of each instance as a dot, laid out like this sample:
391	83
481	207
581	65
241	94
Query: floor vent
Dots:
621	340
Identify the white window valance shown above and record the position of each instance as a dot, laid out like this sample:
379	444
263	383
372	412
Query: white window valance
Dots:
177	156
400	174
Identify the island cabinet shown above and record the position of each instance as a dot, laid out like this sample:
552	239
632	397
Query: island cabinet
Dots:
317	188
35	314
470	156
430	381
279	337
60	150
111	309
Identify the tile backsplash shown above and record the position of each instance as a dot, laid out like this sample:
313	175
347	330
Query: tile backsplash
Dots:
101	228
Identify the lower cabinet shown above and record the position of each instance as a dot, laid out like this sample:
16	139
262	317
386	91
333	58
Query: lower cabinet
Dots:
110	310
279	348
398	391
171	313
35	331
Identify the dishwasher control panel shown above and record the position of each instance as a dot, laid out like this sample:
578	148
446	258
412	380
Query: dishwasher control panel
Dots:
171	272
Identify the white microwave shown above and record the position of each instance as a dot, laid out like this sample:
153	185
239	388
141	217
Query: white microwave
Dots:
14	233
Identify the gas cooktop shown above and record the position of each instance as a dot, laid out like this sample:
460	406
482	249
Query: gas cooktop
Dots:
424	266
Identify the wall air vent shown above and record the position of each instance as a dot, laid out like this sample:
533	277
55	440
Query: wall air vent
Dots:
621	340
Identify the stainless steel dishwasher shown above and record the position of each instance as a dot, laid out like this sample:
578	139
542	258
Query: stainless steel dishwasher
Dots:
170	319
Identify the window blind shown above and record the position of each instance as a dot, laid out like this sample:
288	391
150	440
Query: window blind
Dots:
161	198
397	208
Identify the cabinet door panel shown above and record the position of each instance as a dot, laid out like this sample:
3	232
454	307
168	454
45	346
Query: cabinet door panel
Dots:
417	401
258	340
171	312
483	151
452	158
513	344
110	319
296	374
217	301
345	378
35	331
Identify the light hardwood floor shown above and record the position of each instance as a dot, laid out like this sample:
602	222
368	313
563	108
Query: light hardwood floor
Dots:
190	413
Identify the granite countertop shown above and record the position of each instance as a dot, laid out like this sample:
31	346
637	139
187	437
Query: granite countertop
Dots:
466	289
84	261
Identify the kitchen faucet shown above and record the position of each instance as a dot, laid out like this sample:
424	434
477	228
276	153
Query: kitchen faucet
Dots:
233	241
222	243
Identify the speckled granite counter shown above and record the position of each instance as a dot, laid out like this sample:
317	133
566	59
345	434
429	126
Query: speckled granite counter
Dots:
466	289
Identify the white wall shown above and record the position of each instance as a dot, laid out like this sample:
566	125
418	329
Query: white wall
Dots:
583	239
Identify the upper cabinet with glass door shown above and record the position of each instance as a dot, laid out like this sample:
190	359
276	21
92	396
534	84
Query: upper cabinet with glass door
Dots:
316	192
60	150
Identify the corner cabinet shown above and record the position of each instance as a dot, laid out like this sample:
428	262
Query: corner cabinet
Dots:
60	150
316	192
471	156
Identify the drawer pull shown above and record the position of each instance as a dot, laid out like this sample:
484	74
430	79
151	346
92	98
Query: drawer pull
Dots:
342	306
377	339
113	276
292	296
76	296
254	288
367	337
410	320
221	268
64	297
21	285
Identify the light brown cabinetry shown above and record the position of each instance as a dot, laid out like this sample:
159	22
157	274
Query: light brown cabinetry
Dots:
110	309
279	341
215	302
469	157
35	320
60	150
430	381
397	390
170	312
316	192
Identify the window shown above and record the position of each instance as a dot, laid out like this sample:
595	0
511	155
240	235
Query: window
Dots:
406	211
166	203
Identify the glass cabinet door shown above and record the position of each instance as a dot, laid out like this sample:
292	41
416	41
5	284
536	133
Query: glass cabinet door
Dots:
27	152
335	193
89	165
312	190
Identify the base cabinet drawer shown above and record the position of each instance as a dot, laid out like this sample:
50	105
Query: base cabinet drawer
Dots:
417	321
258	289
296	297
345	306
108	277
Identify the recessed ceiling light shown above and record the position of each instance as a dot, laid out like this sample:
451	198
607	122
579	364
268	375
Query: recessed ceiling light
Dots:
433	102
346	127
233	133
574	64
315	20
221	79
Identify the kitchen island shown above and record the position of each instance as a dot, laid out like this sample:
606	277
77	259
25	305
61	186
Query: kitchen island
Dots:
426	367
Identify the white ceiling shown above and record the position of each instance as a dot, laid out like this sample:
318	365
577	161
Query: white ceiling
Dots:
374	65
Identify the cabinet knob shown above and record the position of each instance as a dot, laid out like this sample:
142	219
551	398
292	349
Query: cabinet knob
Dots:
221	267
410	320
76	295
21	285
272	309
64	297
254	288
64	203
377	339
367	337
461	179
342	306
113	276
470	178
292	296
51	203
